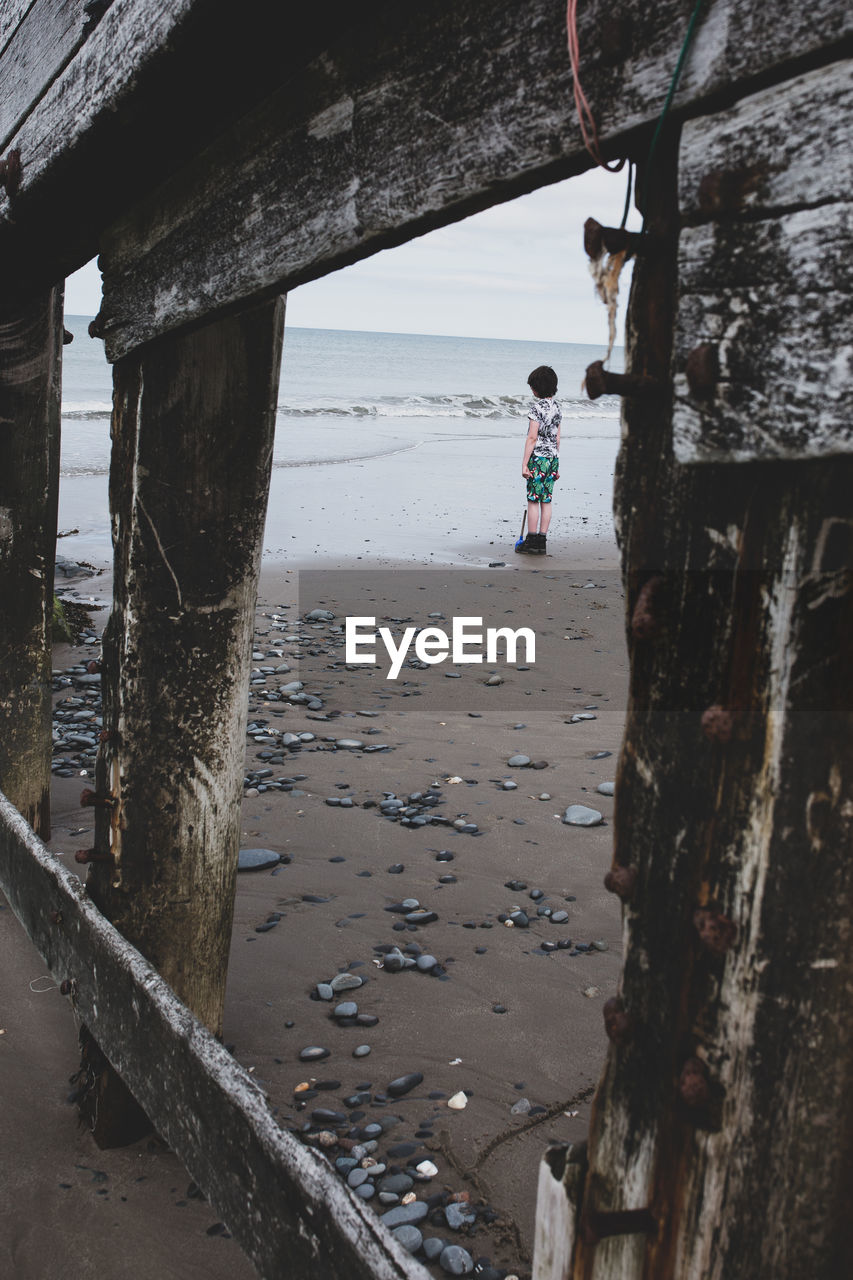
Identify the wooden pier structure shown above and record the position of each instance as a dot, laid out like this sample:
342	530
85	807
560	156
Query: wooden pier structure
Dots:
215	157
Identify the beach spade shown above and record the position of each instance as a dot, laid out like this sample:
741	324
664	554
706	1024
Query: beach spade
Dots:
521	535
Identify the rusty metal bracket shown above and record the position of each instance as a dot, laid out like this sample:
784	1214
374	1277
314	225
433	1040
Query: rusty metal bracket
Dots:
598	239
10	172
601	382
598	1224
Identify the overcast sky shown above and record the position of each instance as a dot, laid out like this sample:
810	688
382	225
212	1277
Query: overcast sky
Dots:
518	270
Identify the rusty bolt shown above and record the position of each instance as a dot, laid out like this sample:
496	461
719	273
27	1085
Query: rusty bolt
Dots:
93	667
718	724
645	620
91	855
55	917
597	238
703	370
618	1025
10	173
693	1083
96	329
90	799
716	931
601	382
597	1224
106	735
66	987
622	881
67	336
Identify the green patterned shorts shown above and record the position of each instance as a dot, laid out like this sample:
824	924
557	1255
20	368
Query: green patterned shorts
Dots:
543	471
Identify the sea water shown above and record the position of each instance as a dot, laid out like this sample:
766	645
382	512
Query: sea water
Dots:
349	397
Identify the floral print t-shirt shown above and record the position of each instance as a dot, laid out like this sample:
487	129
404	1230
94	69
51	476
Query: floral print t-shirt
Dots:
548	414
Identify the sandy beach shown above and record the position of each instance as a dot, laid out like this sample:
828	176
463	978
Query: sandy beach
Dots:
511	1015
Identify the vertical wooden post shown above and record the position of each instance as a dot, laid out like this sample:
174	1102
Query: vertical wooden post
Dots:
193	423
30	400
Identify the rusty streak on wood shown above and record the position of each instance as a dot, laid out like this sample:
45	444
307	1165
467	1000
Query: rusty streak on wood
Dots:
765	277
281	1200
30	378
193	424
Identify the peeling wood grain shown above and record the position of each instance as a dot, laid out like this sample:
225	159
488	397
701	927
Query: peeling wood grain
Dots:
30	394
765	277
558	1198
278	1198
46	40
12	13
193	425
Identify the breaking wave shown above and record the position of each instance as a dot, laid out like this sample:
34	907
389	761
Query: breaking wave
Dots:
446	406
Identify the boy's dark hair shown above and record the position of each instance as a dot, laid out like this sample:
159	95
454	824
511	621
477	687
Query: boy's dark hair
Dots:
543	381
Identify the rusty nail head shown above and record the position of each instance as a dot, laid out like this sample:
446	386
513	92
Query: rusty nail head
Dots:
622	881
645	621
67	336
10	173
718	724
66	987
96	327
93	667
56	917
693	1083
600	382
716	931
618	1025
596	380
703	370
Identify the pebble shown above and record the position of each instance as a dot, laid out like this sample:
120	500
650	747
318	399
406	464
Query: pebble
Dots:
398	1183
606	788
409	1237
361	1051
325	991
456	1261
313	1053
458	1102
578	815
591	992
601	945
404	1084
582	715
345	982
518	761
520	1108
425	963
559	917
356	1176
366	1191
350	744
546	795
257	859
509	786
427	1169
406	1214
493	680
457	1216
346	1009
434	1246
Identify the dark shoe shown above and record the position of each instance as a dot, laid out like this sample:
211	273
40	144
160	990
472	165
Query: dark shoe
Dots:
527	547
540	544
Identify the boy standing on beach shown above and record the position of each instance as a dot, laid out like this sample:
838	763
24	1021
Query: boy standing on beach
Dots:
540	464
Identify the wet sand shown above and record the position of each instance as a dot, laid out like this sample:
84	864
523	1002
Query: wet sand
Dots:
66	1200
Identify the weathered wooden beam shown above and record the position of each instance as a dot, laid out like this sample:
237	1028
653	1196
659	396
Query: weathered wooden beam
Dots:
282	1201
30	391
38	50
764	339
725	1103
558	1198
193	424
413	122
394	120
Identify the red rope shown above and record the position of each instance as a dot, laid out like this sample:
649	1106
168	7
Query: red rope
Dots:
589	132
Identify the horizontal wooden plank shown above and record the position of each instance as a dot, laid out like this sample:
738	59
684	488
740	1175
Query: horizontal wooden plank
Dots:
420	115
786	147
45	41
765	284
12	13
279	1199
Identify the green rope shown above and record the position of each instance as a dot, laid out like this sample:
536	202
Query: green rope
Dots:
694	18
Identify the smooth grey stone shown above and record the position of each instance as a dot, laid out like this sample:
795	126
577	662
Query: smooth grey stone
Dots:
409	1237
388	1198
345	982
601	945
520	1108
410	904
257	859
320	615
582	715
519	919
293	686
518	761
433	1247
403	1084
420	917
559	917
366	1191
406	1214
606	788
344	1164
371	1131
453	675
346	1009
350	744
324	991
399	1183
313	1053
578	815
456	1261
356	1176
425	963
361	1051
509	786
